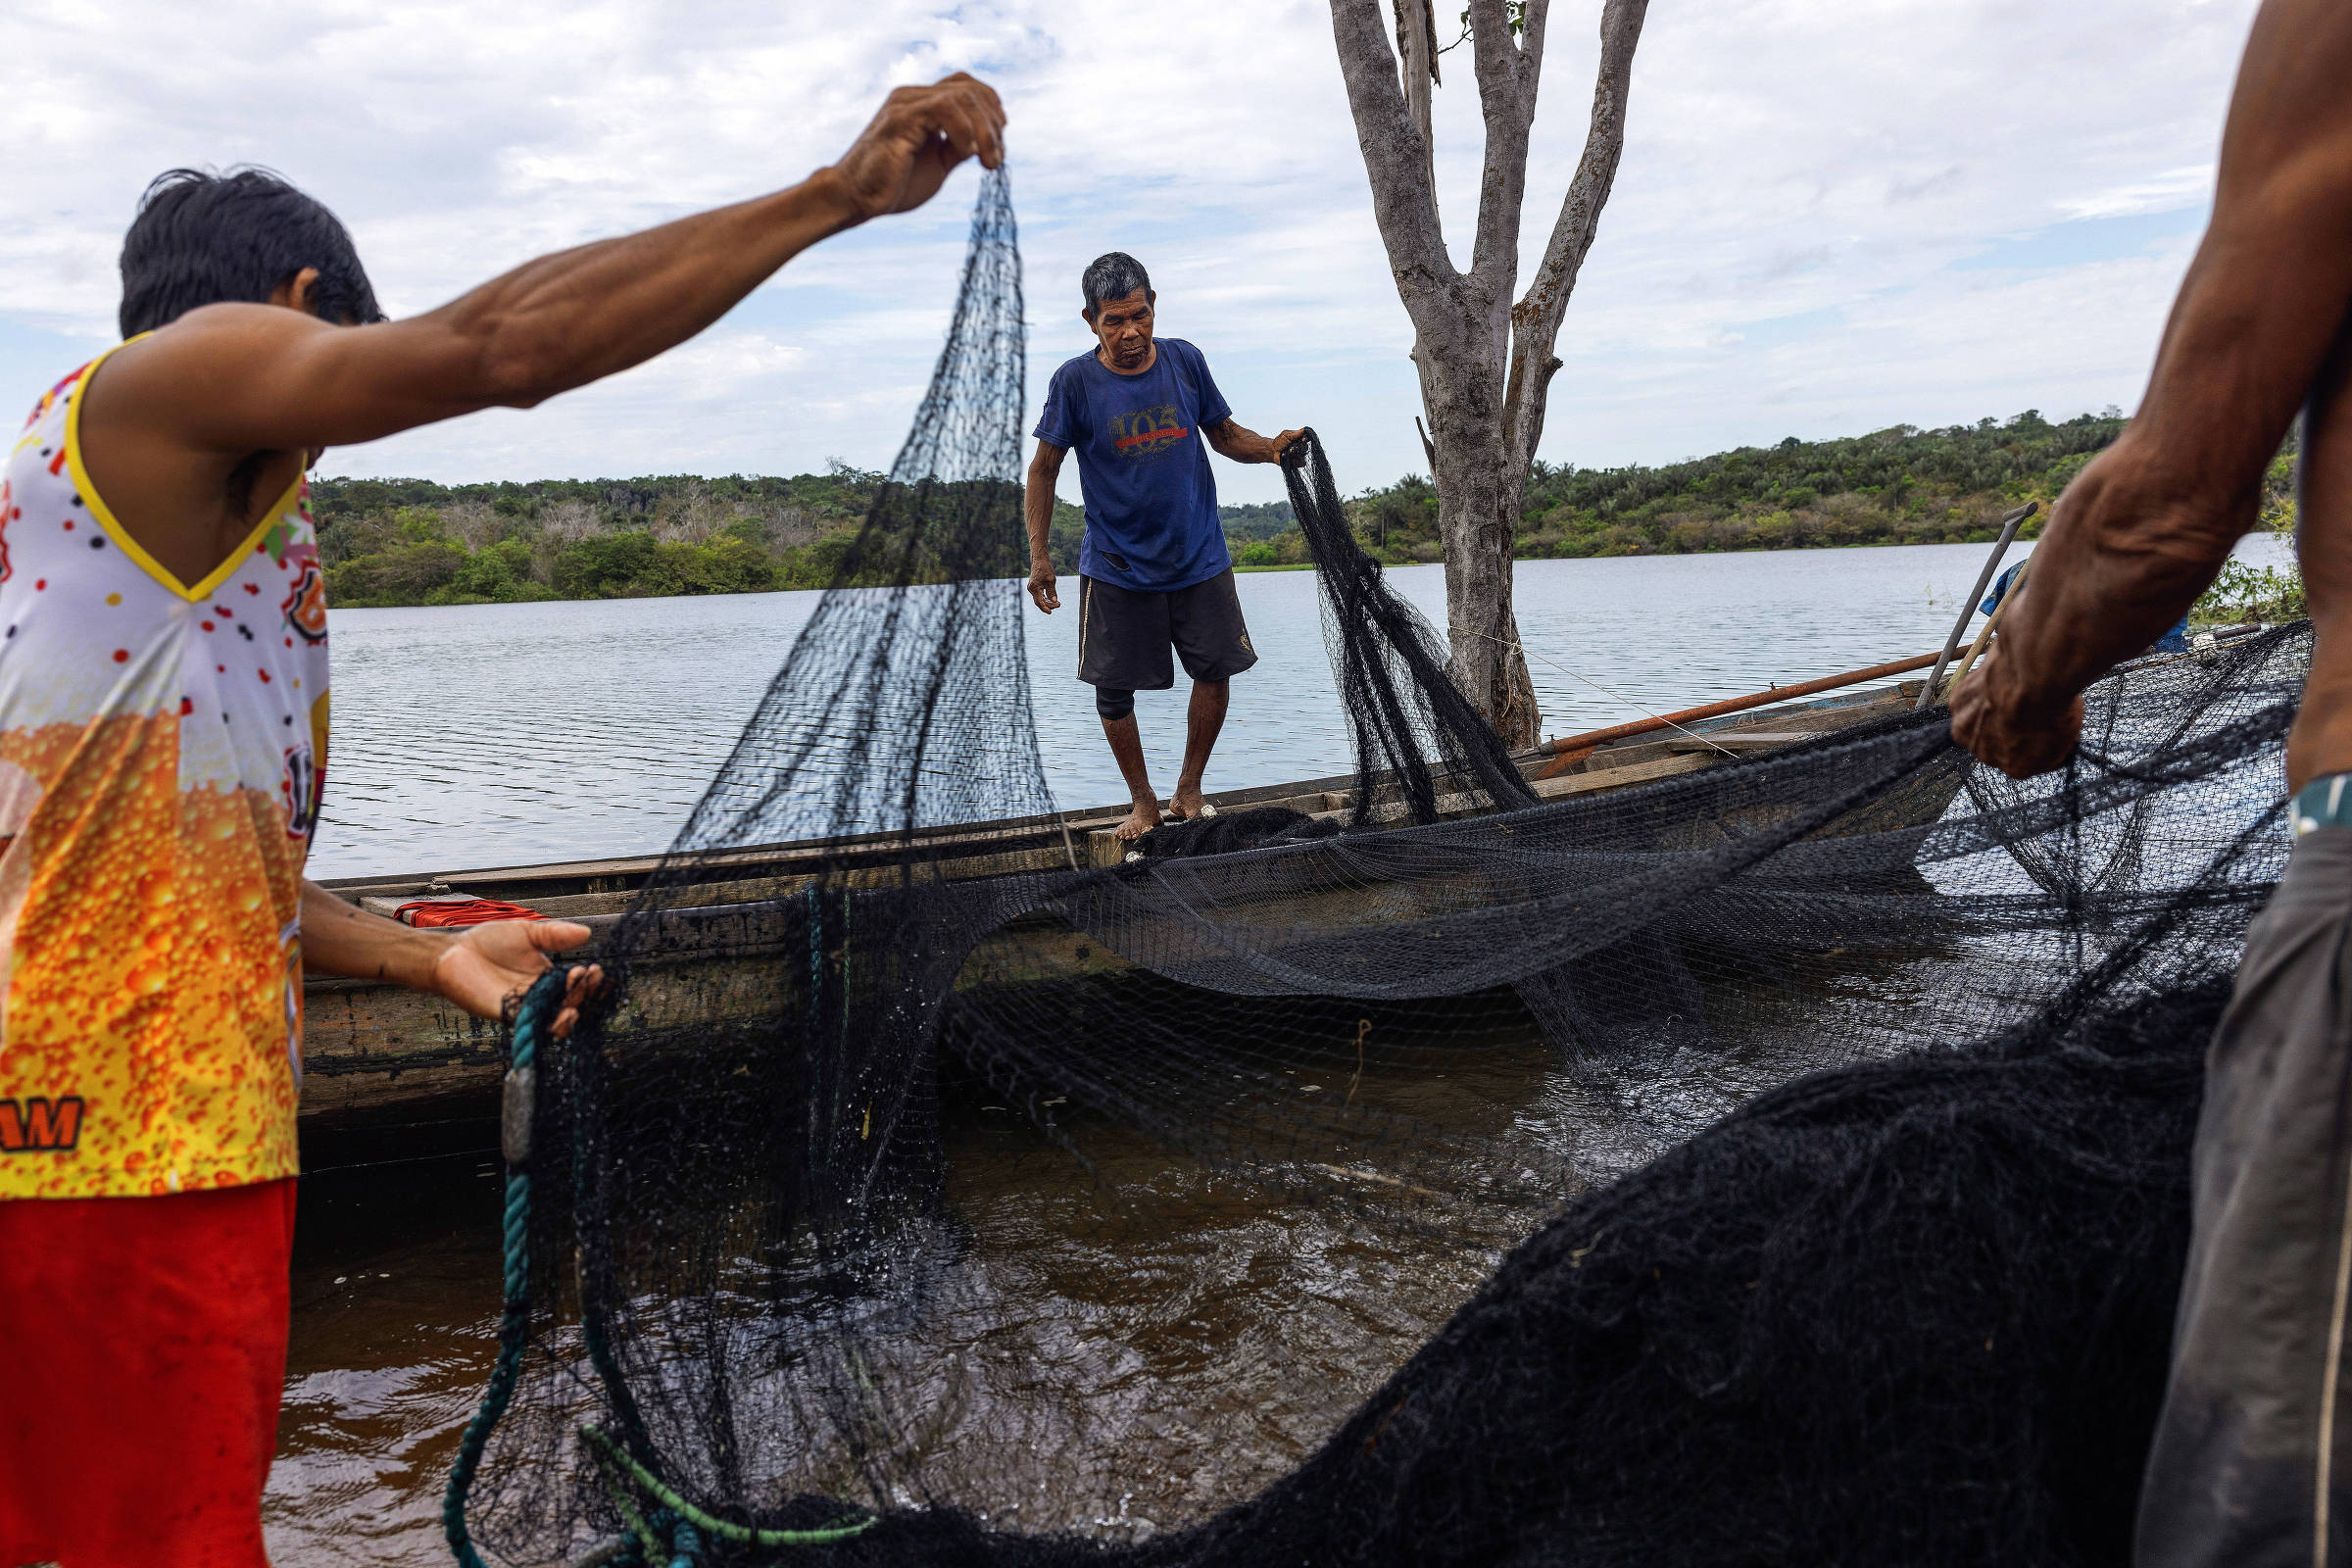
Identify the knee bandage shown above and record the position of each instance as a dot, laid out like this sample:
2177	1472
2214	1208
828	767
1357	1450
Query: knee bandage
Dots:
1114	702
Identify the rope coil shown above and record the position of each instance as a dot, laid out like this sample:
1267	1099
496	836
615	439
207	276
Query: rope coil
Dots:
539	1004
680	1521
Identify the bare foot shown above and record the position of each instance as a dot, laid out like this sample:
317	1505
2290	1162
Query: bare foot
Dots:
1186	803
1140	821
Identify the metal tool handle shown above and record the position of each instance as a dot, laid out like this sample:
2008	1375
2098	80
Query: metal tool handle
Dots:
1968	607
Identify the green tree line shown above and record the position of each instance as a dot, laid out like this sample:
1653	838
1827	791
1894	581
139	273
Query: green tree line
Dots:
413	541
1897	486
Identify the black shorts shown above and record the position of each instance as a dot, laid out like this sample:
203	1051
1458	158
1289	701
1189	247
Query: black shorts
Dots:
1124	634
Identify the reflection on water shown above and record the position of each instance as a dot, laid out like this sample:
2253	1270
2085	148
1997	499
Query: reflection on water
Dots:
1122	1353
505	734
396	1293
1117	1348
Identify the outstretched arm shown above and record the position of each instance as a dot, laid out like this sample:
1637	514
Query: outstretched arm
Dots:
239	378
481	970
1241	445
2146	527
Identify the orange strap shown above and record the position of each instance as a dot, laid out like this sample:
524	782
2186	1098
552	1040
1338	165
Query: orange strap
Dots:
427	914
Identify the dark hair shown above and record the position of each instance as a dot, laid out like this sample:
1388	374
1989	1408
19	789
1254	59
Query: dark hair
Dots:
203	237
1113	276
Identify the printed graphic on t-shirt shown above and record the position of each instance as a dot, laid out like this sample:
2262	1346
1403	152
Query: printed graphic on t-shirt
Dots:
40	1125
291	544
1147	432
298	791
1151	521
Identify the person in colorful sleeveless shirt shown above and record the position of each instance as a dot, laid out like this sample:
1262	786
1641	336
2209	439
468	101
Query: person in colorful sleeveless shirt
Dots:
164	745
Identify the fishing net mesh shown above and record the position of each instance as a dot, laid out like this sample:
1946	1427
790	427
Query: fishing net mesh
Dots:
1784	1161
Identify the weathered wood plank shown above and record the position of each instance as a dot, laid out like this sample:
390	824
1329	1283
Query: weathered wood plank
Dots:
1623	777
1737	741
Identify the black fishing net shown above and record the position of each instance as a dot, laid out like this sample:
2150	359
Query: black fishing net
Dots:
1413	730
1782	1163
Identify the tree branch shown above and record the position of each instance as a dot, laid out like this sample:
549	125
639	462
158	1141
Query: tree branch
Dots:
1404	199
1506	101
1416	48
1536	318
1532	18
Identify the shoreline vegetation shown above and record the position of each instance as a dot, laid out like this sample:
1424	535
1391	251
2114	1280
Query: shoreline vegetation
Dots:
401	542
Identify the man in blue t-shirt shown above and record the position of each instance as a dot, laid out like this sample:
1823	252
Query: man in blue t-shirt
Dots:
1153	573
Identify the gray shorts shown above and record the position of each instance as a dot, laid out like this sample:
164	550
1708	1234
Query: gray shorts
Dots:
2253	1450
1124	636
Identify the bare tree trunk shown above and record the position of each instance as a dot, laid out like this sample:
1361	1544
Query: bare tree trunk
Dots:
1486	365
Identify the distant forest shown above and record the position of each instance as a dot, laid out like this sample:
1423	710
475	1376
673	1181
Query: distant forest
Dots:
413	541
1897	486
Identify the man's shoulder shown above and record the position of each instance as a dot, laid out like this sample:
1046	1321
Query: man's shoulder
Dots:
1184	349
1071	368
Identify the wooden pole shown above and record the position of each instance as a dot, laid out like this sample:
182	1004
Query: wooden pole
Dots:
1569	749
1984	633
1968	607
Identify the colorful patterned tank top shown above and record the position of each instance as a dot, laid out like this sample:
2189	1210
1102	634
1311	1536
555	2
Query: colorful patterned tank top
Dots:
161	747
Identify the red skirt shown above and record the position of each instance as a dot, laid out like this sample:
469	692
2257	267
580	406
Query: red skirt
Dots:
144	1341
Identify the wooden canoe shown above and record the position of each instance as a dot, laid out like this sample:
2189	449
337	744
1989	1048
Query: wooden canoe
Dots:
373	1050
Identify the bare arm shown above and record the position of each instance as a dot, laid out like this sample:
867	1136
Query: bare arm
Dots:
239	378
481	970
2146	527
1241	445
1037	511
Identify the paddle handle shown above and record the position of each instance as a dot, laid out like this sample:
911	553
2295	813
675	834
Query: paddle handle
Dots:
1984	633
1968	607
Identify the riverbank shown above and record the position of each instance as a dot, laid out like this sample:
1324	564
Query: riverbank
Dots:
409	542
2247	592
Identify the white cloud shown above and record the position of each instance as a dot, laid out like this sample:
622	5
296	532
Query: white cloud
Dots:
2160	193
1815	163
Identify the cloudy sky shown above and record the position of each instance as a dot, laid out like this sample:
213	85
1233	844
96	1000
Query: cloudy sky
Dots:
1832	214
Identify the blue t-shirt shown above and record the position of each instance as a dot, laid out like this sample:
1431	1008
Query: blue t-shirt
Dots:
1143	467
2174	641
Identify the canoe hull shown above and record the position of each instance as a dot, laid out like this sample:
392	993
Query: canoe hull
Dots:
375	1052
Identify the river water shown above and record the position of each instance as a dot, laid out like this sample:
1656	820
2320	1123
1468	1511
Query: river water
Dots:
490	735
509	734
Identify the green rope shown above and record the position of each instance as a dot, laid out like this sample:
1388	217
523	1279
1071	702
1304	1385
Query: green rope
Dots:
539	1004
741	1535
627	1506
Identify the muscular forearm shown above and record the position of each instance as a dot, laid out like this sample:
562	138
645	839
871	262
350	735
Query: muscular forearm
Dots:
2144	528
234	378
566	319
1243	444
243	377
344	940
2127	553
